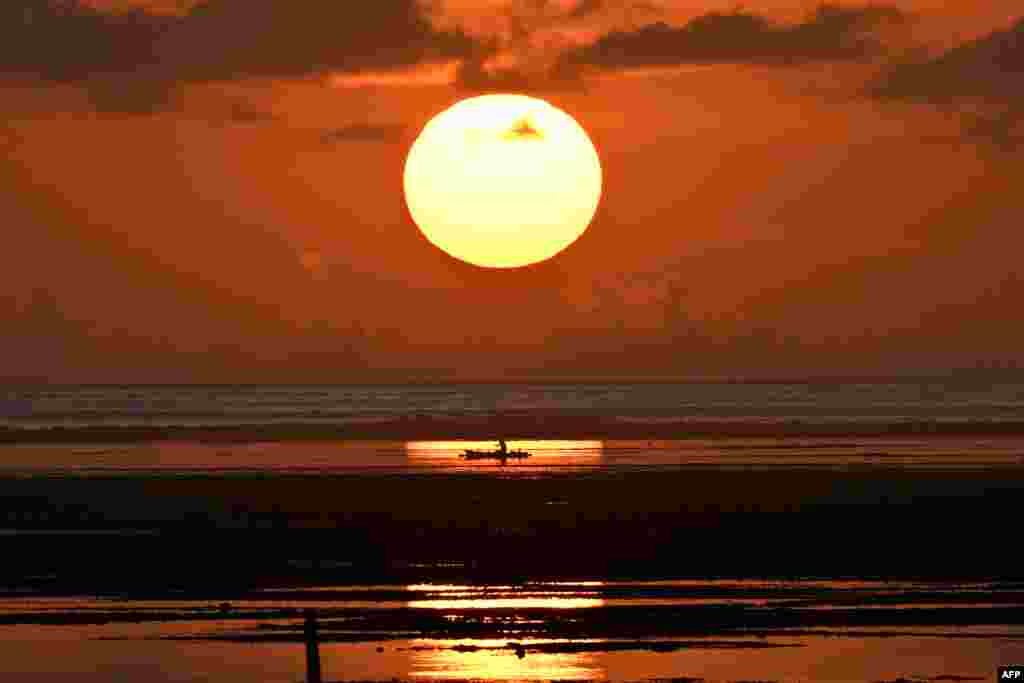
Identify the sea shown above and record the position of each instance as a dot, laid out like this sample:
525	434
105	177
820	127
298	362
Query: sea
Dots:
779	424
835	629
952	401
791	630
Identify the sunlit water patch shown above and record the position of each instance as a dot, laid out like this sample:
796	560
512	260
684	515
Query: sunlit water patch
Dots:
539	596
544	453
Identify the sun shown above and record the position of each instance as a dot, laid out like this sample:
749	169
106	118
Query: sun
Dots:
502	181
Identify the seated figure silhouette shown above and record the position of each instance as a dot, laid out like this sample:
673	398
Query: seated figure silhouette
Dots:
503	454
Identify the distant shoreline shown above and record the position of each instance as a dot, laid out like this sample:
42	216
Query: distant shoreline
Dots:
514	427
413	378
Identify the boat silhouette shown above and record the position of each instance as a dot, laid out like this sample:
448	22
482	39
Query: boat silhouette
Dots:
501	454
494	455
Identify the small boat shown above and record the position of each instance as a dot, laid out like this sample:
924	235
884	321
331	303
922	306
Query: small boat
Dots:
494	455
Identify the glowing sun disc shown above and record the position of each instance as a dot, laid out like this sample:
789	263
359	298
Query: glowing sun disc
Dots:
502	180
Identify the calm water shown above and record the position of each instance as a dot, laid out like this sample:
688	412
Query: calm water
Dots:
810	403
558	625
182	640
848	402
548	455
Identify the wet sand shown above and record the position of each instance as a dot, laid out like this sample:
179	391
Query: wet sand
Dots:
623	566
191	531
717	631
52	656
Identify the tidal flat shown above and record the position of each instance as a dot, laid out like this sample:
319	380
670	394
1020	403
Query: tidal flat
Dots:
787	559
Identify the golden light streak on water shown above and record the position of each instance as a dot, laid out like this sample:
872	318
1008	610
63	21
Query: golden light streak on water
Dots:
436	659
453	596
545	452
498	664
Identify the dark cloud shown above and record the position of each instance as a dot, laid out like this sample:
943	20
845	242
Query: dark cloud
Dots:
113	54
980	82
989	68
832	33
68	41
365	132
231	39
527	38
524	19
133	60
484	74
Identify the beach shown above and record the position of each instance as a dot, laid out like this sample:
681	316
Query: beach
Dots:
744	552
711	630
937	518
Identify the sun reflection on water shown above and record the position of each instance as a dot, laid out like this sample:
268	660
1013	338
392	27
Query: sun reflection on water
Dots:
502	659
532	596
497	662
544	452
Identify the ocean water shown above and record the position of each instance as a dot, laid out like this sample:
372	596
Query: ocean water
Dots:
591	412
851	631
586	627
853	403
549	457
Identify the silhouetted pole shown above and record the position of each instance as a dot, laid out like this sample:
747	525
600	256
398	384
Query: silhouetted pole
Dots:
312	649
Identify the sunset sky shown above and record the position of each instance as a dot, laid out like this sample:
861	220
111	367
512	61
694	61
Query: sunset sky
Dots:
212	191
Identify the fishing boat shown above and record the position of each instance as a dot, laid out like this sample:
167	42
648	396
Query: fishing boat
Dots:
494	455
502	454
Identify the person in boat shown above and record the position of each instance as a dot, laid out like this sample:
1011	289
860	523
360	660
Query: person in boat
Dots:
502	447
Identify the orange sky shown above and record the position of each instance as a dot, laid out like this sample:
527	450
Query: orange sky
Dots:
756	220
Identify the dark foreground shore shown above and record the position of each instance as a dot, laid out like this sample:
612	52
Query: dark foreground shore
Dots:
205	533
505	574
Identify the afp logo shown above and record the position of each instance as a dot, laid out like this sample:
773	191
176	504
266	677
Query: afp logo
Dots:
1010	674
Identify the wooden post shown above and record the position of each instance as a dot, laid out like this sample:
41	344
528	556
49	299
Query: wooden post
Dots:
312	649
